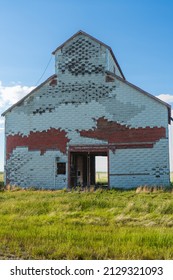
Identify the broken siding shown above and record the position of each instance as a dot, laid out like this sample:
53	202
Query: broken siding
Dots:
140	167
80	108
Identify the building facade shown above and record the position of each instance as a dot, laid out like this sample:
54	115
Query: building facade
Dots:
85	110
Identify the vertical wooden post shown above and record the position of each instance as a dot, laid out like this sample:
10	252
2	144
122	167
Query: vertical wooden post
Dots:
88	170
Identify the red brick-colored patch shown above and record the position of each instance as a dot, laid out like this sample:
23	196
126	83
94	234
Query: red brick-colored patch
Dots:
53	82
114	132
42	141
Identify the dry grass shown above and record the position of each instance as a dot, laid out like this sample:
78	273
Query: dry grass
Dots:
101	177
86	225
172	177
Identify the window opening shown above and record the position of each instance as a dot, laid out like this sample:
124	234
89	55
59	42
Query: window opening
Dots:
61	168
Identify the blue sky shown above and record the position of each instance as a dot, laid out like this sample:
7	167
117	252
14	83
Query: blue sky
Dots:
139	32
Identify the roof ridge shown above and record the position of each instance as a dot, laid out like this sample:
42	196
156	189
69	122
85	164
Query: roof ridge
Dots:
96	40
78	33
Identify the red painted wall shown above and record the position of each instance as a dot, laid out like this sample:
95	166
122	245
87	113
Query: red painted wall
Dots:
117	133
106	130
44	140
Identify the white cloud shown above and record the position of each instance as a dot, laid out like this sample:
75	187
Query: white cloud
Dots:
166	97
11	94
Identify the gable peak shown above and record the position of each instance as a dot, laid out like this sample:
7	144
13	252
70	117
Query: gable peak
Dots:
81	32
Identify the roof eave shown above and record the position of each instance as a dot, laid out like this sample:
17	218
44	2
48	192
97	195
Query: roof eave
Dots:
149	95
26	96
82	33
116	62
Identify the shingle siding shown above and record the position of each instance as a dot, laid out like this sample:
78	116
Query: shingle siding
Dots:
74	101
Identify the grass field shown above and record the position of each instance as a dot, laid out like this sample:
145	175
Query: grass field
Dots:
86	225
1	179
172	177
1	176
101	177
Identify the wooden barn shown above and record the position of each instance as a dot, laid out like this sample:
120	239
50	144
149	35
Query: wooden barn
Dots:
87	109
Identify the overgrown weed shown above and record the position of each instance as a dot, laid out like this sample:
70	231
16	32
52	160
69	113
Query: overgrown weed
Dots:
153	189
103	224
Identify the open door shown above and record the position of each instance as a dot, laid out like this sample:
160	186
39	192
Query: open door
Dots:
82	167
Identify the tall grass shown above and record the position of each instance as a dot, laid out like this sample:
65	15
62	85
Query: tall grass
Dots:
1	180
86	225
171	177
101	177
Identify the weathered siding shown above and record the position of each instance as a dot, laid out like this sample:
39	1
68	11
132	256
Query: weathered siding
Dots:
78	107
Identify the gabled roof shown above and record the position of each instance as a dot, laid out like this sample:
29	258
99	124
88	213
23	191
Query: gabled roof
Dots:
26	96
80	32
147	94
117	77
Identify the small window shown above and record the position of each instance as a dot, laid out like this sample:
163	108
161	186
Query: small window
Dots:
61	168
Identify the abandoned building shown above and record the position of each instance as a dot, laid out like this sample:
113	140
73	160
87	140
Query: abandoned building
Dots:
85	110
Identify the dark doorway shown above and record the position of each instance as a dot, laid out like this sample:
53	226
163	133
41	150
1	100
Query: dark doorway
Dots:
82	167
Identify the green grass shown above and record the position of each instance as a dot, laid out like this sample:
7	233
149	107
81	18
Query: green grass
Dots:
1	176
1	179
172	177
86	225
101	177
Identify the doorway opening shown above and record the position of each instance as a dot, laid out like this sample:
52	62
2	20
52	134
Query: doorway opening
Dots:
101	170
84	167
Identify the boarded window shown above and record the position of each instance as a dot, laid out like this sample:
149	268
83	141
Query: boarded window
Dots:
61	168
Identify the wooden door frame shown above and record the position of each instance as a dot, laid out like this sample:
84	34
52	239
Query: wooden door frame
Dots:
98	150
